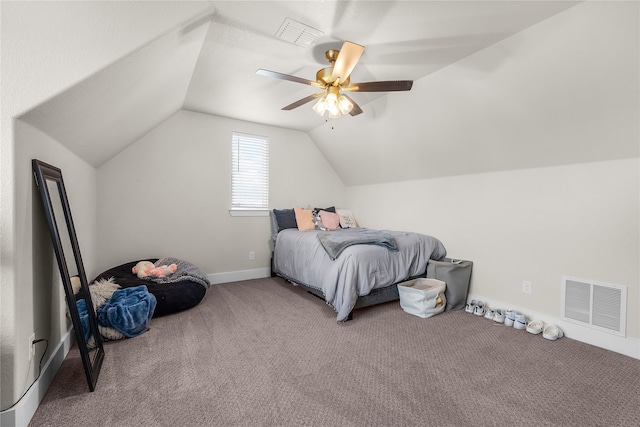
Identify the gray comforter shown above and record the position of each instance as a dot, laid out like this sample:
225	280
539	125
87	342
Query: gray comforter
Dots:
300	257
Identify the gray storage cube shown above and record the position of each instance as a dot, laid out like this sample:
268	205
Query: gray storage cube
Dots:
457	275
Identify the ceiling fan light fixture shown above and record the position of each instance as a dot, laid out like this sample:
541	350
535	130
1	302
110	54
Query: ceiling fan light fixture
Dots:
332	104
321	106
344	104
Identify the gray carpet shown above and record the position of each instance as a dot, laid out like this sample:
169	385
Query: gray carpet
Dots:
263	352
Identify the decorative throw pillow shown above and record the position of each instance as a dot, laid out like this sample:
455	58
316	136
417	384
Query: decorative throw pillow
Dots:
286	218
330	220
347	220
304	218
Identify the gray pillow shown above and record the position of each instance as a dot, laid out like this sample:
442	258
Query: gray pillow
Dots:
286	218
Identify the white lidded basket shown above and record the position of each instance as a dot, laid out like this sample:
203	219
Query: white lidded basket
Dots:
422	297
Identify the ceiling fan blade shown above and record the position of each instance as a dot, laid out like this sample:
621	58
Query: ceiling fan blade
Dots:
347	59
384	86
303	101
356	108
281	76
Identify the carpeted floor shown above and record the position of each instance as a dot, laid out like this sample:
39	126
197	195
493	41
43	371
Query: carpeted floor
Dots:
263	352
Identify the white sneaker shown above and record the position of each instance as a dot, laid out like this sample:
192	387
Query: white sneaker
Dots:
498	316
510	318
479	310
490	314
520	321
471	306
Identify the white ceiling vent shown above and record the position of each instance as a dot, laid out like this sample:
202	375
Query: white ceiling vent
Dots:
297	33
600	306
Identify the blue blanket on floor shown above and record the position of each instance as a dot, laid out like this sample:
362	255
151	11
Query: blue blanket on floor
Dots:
84	318
128	311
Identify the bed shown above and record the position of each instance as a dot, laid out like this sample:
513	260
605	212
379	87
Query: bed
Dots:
360	273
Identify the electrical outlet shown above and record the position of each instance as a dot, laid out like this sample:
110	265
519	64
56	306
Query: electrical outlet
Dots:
527	287
252	256
32	347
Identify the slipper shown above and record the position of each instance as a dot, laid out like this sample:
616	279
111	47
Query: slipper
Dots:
490	314
499	316
479	310
535	327
471	306
552	333
520	321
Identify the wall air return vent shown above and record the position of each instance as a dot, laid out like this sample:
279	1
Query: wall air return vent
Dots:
297	33
601	306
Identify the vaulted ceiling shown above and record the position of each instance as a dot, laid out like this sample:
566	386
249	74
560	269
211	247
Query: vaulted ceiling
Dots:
449	48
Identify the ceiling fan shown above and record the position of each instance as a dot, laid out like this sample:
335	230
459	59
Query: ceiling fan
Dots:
335	79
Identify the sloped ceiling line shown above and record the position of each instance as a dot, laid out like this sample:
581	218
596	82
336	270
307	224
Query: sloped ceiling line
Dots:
109	110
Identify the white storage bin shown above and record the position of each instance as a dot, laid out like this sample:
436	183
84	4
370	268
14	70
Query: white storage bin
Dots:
423	297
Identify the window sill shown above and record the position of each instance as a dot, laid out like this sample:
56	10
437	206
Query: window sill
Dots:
248	212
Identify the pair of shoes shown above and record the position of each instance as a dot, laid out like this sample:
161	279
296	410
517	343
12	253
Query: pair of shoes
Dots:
498	316
520	321
480	309
471	306
552	332
535	327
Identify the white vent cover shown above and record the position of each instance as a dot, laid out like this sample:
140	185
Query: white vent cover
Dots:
598	305
297	33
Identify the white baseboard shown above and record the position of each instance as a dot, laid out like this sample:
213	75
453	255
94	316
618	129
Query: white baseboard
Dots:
20	414
236	276
623	345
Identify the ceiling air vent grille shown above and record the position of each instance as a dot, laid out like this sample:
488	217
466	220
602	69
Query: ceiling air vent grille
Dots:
600	306
297	33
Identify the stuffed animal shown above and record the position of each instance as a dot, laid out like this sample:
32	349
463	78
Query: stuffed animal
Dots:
143	268
146	268
163	270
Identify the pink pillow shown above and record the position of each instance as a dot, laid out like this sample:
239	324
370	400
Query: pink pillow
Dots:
304	218
330	220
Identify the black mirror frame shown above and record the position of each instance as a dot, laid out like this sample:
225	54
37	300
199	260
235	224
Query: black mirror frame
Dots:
44	172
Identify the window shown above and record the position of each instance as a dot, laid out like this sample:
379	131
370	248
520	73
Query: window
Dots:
250	175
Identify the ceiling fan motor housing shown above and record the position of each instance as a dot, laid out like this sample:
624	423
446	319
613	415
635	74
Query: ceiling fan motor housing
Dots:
324	77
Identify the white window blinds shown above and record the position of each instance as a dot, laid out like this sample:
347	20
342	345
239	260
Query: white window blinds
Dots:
250	172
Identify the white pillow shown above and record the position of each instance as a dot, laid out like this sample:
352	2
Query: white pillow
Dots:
347	220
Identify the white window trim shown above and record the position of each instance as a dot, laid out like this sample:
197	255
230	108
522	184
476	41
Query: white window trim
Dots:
249	212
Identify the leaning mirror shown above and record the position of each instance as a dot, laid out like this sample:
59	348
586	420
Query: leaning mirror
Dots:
65	245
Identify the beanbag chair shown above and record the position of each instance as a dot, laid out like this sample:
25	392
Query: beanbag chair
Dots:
170	297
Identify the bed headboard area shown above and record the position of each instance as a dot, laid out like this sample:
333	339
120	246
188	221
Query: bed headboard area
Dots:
309	219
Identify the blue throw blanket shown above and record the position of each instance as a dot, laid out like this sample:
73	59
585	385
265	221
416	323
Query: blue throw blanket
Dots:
334	242
84	318
128	311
